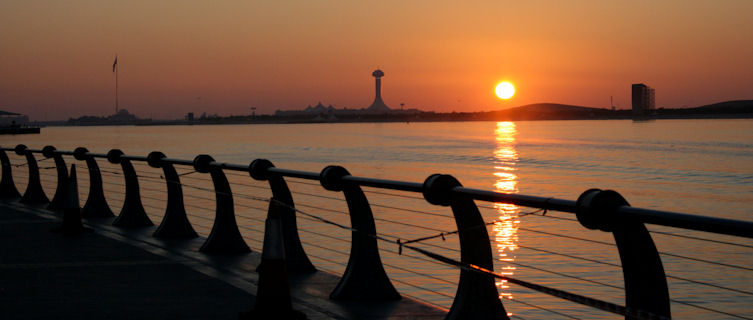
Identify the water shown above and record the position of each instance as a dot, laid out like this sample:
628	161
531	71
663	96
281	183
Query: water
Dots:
694	166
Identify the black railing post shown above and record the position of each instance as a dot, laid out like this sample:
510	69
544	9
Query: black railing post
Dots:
8	188
225	236
133	214
364	278
282	204
96	204
34	193
477	296
58	200
646	292
175	223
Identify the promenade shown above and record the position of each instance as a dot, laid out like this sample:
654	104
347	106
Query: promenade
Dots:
121	273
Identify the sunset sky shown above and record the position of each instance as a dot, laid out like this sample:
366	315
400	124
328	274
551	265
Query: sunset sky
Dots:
225	57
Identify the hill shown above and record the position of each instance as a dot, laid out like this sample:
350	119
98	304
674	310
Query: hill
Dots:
551	111
735	106
743	108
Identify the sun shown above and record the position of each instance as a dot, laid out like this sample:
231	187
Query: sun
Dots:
504	90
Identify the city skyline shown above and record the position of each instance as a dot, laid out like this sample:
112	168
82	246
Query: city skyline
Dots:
227	57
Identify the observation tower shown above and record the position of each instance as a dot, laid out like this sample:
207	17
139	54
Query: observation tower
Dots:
378	105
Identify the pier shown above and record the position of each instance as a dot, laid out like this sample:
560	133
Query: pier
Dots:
120	264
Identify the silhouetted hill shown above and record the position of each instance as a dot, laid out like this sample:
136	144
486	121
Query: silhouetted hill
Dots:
728	108
735	106
552	111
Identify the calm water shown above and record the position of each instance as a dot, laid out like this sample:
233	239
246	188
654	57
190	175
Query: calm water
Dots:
695	166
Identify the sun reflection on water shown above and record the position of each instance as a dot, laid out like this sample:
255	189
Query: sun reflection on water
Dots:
506	230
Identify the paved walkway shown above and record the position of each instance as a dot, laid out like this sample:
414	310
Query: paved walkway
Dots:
116	273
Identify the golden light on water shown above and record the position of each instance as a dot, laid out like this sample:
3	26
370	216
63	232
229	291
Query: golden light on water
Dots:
506	230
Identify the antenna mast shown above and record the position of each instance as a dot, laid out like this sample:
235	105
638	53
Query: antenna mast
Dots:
115	69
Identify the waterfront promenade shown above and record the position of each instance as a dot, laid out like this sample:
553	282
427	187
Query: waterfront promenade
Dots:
122	273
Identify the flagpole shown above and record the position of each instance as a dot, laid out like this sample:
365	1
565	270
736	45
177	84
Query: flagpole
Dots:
116	85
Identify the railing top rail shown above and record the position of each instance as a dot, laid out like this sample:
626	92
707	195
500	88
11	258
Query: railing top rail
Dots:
177	161
386	184
133	158
518	199
96	155
295	173
688	221
665	218
229	166
657	217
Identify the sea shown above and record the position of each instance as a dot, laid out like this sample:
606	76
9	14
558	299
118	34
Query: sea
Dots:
700	167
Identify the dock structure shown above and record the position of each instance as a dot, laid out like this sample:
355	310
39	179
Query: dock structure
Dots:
97	265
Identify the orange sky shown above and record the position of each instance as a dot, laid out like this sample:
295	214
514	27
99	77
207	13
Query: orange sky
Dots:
56	56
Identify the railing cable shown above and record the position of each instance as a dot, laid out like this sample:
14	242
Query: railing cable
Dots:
592	302
702	239
542	308
606	306
27	163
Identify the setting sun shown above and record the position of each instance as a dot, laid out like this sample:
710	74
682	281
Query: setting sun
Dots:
504	90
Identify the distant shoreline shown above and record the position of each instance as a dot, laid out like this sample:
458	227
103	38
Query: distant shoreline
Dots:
395	120
742	109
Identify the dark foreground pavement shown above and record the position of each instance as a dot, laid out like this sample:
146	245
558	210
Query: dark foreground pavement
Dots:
115	273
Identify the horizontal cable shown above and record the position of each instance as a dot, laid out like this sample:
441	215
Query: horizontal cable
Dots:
619	266
705	261
542	308
441	235
374	205
565	275
569	237
570	256
422	288
702	239
710	285
27	163
411	296
389	265
709	309
596	303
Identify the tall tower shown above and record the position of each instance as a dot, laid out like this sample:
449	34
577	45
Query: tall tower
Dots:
378	105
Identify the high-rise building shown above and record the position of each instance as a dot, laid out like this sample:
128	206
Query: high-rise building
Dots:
644	99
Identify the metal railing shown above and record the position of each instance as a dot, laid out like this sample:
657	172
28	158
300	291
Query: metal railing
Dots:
645	287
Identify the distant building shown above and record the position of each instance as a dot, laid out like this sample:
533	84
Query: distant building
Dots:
122	116
11	118
378	107
644	99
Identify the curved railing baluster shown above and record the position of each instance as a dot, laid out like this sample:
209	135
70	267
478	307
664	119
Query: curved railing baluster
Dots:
477	296
132	214
175	223
58	200
646	292
364	277
96	204
34	193
282	201
8	188
225	236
